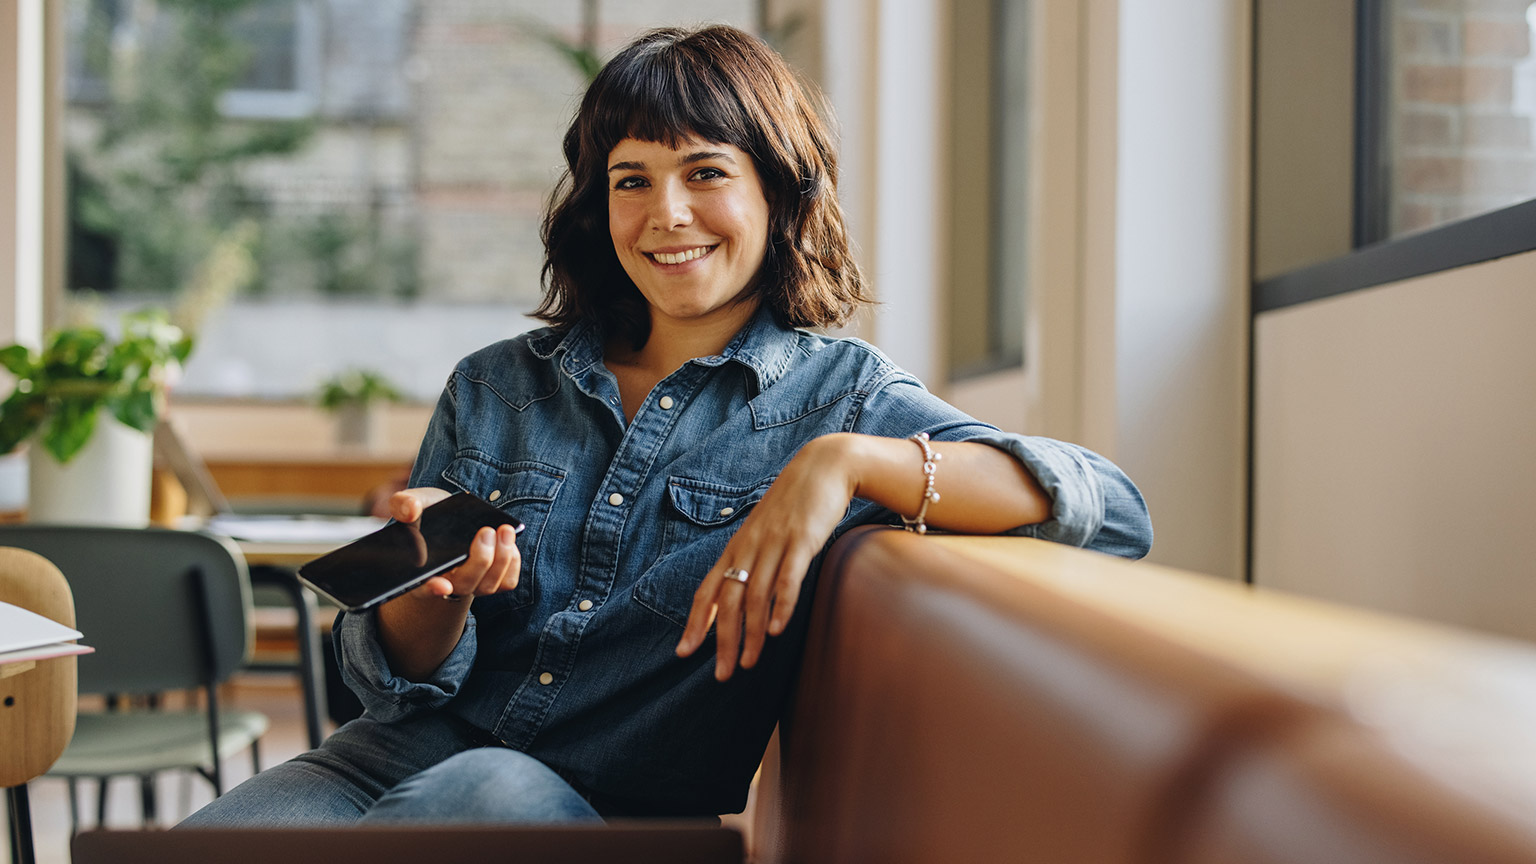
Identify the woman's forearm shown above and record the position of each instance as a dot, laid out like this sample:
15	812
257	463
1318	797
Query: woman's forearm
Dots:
418	631
982	490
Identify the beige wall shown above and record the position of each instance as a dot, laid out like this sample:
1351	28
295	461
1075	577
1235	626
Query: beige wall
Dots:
1396	447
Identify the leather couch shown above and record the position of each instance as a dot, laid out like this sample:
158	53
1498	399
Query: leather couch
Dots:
1004	699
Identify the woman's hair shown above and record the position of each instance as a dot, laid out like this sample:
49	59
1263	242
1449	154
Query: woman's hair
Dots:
724	86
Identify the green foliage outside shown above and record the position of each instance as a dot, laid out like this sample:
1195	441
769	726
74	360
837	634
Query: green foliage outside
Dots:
59	392
166	174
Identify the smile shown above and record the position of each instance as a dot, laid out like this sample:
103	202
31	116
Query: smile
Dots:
680	257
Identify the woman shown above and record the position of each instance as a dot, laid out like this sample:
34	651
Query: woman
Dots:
681	456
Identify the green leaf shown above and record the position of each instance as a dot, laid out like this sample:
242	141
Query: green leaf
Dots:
20	415
137	408
70	428
19	360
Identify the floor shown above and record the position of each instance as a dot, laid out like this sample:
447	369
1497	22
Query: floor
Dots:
274	693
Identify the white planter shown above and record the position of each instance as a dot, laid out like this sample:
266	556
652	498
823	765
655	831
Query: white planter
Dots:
359	427
107	483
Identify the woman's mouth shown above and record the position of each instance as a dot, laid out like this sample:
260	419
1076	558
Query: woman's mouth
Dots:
680	257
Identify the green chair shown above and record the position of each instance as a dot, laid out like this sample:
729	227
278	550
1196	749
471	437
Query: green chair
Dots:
165	611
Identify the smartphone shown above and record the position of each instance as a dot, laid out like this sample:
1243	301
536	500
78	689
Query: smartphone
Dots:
402	555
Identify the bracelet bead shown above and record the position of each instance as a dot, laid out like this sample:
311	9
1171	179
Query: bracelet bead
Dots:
918	523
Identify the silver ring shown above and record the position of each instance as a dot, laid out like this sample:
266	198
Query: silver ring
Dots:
736	574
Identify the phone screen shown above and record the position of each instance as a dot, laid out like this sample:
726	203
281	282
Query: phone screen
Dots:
402	555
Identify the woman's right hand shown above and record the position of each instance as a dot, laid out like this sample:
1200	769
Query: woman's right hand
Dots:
419	629
494	563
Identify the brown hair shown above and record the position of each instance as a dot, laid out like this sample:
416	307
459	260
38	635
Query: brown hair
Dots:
721	85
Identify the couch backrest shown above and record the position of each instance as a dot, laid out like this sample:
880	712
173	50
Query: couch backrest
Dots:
958	705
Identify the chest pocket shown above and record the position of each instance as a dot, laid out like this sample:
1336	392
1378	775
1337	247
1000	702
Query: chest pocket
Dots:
703	516
525	490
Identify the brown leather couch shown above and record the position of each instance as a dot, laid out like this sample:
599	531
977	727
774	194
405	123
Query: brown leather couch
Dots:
972	699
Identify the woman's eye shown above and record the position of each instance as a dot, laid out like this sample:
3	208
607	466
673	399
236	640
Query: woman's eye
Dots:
629	183
708	174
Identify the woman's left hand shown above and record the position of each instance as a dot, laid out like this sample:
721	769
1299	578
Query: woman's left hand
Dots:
775	545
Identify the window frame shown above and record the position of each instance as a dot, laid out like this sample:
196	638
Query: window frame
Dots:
1373	261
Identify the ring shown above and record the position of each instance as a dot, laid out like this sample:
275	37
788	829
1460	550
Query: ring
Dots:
736	574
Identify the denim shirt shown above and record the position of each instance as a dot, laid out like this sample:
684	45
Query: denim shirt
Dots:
576	665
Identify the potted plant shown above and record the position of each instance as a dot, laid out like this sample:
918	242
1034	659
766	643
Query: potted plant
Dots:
356	397
89	403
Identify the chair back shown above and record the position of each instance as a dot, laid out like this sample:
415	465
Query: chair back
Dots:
165	610
37	705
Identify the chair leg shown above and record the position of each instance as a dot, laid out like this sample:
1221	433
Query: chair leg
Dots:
19	810
74	805
147	814
101	801
256	757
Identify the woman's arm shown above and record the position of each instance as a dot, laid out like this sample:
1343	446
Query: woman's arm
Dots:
981	490
419	629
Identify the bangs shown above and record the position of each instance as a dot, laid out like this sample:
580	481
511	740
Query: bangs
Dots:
667	95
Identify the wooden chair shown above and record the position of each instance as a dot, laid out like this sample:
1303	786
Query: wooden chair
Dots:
37	699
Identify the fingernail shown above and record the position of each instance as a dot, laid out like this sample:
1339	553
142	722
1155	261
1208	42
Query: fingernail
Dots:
776	626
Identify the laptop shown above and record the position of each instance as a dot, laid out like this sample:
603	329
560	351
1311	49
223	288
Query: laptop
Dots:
631	843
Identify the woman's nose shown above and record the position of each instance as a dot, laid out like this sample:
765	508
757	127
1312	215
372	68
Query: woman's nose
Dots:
670	208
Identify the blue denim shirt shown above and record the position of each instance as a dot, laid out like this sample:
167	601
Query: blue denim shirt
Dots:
576	665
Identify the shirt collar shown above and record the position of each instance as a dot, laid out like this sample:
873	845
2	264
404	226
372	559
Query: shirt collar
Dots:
764	346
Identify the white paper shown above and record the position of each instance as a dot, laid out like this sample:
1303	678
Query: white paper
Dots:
44	652
295	529
20	628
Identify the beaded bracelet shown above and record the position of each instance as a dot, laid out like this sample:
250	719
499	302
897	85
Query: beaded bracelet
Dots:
930	458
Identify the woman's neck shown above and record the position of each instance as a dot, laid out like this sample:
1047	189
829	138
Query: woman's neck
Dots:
672	343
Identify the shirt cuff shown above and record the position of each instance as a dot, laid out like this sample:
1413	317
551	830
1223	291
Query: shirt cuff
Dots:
385	696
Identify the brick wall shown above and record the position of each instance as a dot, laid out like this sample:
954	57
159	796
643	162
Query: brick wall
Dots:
1464	91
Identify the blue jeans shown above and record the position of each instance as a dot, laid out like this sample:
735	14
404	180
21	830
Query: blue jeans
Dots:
428	770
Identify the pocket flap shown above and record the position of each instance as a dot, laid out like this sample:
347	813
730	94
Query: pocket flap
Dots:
501	483
709	504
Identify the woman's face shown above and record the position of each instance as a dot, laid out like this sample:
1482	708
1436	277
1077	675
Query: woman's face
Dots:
690	225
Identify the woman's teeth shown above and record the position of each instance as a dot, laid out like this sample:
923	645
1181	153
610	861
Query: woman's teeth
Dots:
680	257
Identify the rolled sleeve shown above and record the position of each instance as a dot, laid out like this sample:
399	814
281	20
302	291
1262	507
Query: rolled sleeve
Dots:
386	696
1093	504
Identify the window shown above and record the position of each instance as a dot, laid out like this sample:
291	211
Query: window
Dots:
1455	100
988	174
342	183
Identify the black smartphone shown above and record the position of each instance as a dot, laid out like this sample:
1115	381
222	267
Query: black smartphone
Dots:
402	555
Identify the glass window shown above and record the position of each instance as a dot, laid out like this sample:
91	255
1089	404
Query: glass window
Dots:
1459	120
988	176
318	185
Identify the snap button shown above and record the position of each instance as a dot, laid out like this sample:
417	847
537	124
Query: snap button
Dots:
726	511
495	493
615	499
546	678
665	402
584	605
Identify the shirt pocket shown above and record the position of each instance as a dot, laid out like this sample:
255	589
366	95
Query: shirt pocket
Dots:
701	519
525	491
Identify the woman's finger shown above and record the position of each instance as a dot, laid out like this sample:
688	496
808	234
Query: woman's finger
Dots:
505	568
406	505
701	614
786	589
728	605
756	603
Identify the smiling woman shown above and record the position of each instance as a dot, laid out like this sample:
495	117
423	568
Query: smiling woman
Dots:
681	454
